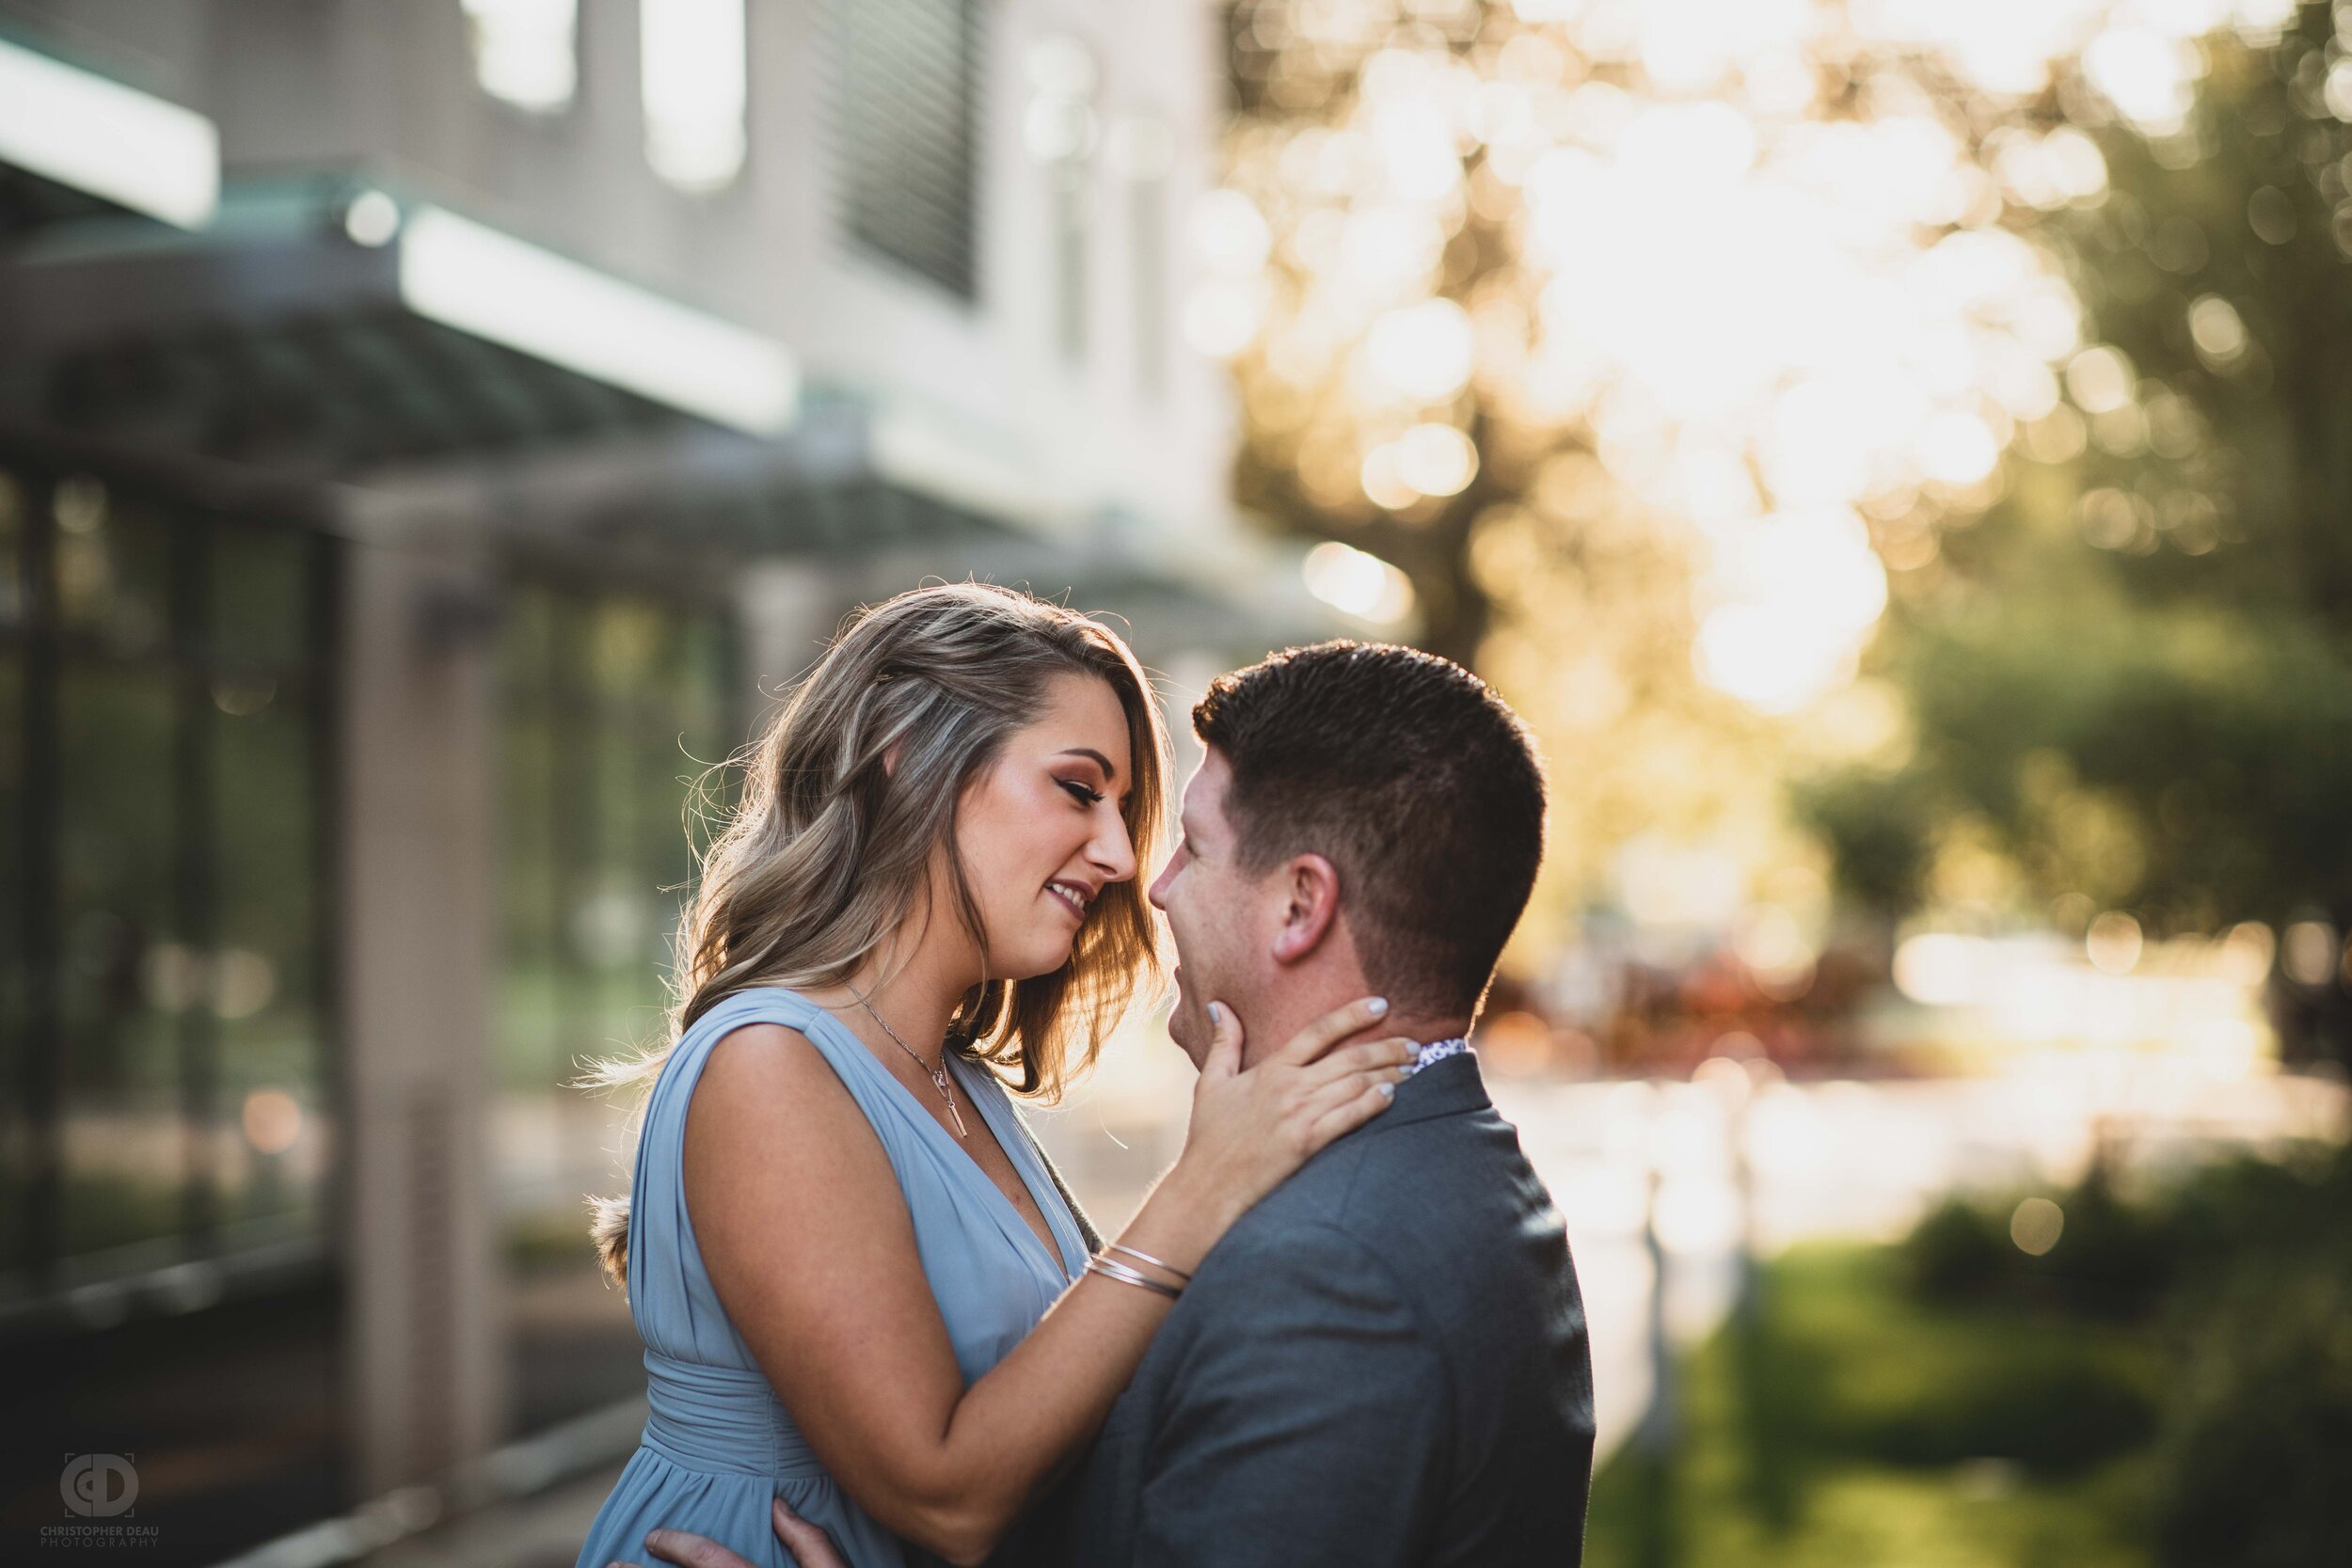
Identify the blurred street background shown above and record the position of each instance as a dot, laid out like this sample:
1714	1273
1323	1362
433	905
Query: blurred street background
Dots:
1894	454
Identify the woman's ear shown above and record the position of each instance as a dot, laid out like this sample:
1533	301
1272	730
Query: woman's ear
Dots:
1310	889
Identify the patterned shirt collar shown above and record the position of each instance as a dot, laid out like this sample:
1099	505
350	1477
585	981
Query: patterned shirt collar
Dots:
1437	1050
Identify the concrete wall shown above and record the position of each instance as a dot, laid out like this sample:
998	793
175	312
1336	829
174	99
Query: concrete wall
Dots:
420	943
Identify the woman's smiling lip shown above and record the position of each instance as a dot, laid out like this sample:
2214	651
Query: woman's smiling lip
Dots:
1076	909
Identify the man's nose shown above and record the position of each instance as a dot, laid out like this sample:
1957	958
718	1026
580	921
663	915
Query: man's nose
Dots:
1158	894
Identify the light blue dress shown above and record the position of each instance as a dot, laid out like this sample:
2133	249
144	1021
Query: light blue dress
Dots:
718	1442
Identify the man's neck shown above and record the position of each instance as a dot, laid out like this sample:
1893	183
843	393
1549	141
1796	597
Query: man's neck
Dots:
1290	1015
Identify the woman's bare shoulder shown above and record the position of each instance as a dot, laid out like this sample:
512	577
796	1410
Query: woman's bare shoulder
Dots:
777	1148
768	1094
768	1063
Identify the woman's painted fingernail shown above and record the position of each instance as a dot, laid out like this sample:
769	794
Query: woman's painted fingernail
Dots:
1379	1006
1387	1091
1217	1014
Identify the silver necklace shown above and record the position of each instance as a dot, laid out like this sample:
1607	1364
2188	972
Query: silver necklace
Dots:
938	1074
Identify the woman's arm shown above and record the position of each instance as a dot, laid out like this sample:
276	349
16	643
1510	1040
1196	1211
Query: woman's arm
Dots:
810	1246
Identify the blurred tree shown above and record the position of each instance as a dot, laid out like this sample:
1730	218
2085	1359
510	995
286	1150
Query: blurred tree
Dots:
1647	337
2138	668
1607	323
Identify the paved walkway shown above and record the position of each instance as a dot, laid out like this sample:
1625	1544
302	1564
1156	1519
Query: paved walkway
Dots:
1837	1159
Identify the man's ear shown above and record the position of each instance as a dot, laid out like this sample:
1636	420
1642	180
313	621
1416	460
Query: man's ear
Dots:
1311	893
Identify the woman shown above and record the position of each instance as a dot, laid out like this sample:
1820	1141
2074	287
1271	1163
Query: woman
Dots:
859	1286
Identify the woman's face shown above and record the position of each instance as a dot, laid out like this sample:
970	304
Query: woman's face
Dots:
1040	831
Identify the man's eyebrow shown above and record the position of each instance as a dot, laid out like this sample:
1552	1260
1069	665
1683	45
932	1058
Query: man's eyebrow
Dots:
1099	759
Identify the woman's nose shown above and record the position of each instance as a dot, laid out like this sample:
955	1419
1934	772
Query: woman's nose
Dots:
1114	853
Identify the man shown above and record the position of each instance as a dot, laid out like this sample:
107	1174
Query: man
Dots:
1384	1362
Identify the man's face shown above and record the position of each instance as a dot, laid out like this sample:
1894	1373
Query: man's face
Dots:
1211	912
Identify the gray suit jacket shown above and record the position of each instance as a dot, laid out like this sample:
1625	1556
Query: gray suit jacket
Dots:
1383	1363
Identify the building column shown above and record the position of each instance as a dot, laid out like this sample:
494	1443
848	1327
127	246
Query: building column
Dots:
787	611
425	1325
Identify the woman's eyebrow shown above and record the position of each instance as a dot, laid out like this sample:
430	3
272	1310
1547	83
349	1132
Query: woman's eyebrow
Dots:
1099	759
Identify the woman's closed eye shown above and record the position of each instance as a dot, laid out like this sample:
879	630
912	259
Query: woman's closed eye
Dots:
1080	793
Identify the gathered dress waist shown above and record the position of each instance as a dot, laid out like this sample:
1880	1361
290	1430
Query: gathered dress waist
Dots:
726	1420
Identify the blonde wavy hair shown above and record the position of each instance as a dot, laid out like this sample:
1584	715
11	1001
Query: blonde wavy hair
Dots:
826	852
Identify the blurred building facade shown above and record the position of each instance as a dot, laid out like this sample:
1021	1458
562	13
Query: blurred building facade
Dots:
428	435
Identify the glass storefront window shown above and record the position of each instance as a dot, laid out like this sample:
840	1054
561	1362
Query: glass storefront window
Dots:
16	1150
526	51
12	549
126	977
162	794
112	564
269	1001
611	706
261	614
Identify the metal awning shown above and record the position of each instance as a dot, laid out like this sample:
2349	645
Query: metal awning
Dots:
107	139
275	344
273	337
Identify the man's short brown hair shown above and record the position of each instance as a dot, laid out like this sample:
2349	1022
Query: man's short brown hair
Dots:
1413	779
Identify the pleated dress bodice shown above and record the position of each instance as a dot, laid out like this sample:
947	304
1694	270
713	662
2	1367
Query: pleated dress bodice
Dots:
718	1442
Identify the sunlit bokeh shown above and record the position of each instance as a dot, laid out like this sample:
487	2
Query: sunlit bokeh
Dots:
2193	1003
1361	585
2036	1225
272	1121
1746	253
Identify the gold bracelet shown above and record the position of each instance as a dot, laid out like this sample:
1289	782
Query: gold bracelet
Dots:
1147	1257
1111	1269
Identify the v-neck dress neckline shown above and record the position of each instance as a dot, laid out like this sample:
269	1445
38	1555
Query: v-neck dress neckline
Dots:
987	1097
